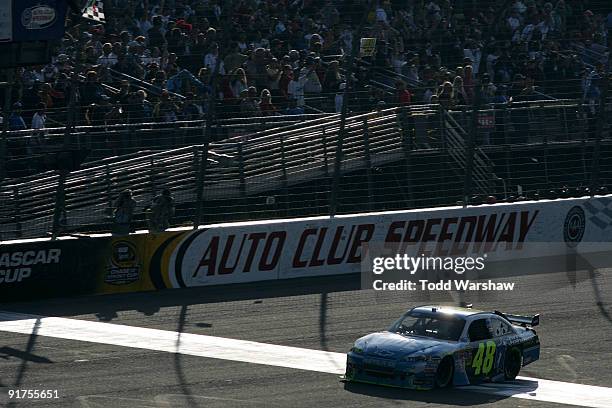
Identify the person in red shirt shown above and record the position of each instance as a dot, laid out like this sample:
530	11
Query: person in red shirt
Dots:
403	94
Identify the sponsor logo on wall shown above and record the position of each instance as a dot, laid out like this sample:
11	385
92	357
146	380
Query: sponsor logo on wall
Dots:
17	266
124	266
38	17
574	226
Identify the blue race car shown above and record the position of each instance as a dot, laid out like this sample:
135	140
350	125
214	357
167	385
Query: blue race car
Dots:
441	346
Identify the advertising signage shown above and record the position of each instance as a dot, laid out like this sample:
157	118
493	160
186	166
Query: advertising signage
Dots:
32	20
6	20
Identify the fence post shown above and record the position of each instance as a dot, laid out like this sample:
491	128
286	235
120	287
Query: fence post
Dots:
546	172
368	160
73	108
601	119
324	142
285	179
407	147
60	204
8	89
152	178
17	214
201	161
333	205
241	171
109	189
565	126
207	137
470	145
442	127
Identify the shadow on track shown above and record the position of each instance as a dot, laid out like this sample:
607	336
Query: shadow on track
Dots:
106	307
8	352
178	366
601	305
24	363
582	265
323	322
453	396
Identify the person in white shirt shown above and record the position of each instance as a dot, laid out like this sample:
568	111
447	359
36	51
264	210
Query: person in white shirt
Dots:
295	89
398	60
346	41
429	92
211	59
473	51
309	77
39	118
108	59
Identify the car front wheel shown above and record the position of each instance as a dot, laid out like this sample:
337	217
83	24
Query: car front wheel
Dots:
444	373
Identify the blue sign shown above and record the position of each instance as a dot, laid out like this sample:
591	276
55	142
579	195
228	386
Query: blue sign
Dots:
38	20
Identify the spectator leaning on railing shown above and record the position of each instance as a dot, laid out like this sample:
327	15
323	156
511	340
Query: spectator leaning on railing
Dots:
161	211
124	213
16	121
40	117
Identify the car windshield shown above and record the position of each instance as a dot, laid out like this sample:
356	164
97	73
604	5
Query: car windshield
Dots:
437	326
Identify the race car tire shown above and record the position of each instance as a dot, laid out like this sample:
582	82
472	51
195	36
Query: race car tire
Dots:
444	373
513	363
349	373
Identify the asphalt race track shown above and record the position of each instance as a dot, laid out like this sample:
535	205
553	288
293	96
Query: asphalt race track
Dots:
318	314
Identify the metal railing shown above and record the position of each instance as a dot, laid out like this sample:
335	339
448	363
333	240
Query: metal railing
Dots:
100	142
408	157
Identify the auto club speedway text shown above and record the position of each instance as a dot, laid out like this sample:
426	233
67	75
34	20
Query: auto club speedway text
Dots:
341	245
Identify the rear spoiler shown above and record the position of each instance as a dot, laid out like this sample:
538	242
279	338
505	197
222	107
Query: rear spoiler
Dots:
524	321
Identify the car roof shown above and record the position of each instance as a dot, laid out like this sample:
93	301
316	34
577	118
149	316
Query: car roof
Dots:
457	311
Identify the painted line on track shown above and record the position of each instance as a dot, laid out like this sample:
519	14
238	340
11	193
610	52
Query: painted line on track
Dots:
272	355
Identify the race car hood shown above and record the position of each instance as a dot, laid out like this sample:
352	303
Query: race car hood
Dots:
393	345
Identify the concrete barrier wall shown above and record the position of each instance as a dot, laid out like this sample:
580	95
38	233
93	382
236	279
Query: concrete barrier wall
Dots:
282	249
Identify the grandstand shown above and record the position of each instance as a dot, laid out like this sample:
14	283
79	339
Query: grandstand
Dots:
252	113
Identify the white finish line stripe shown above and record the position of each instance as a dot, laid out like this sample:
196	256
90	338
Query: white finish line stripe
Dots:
174	342
272	355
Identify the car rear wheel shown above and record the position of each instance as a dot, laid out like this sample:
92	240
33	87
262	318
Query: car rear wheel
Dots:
513	363
444	374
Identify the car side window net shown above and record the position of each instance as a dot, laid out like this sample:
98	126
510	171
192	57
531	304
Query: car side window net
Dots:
479	330
500	328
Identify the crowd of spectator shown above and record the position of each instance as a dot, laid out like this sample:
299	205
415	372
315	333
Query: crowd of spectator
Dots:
154	60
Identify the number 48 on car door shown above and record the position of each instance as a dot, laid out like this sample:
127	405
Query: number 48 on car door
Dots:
483	349
484	358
